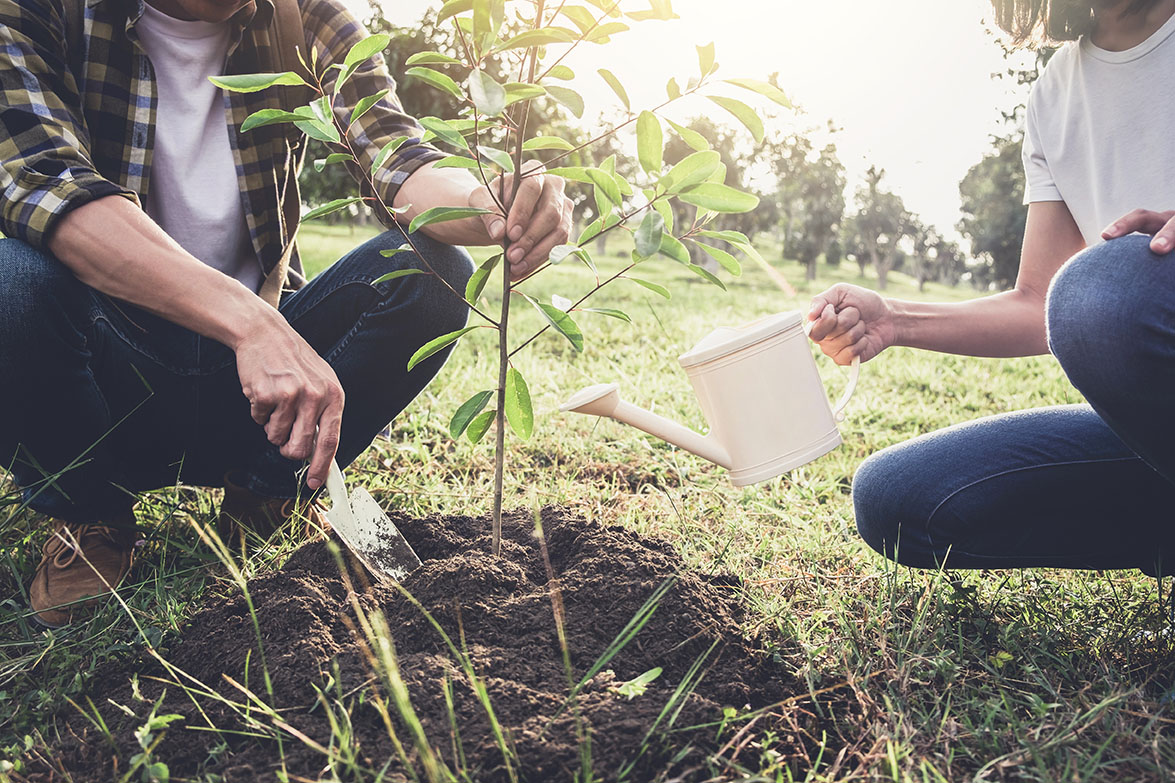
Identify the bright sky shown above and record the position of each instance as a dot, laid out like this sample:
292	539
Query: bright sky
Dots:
908	81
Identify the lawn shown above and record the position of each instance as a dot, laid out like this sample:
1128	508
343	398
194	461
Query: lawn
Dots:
1009	675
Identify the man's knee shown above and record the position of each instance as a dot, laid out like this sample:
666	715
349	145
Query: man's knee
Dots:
1109	312
440	291
891	507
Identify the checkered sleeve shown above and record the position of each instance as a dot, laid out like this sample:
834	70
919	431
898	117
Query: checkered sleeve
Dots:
333	30
45	165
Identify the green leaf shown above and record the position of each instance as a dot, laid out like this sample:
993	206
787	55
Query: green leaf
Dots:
584	19
365	49
456	162
395	251
762	88
638	685
397	274
365	104
437	344
607	184
560	253
671	246
665	210
437	79
648	234
743	113
602	33
561	72
672	90
479	278
488	96
519	412
608	311
443	215
656	289
334	157
263	117
385	152
561	321
468	410
481	425
452	8
573	173
719	198
431	58
546	143
706	275
706	59
254	82
315	127
733	237
521	91
329	207
444	131
616	86
691	137
728	262
499	158
691	170
649	141
569	98
547	35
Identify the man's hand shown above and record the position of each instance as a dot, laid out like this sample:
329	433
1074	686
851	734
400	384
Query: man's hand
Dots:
1160	224
848	320
538	220
294	394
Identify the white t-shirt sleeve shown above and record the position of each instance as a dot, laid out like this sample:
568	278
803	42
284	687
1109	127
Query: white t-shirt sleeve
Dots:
1039	184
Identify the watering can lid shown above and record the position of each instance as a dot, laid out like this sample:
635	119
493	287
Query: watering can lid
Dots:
727	339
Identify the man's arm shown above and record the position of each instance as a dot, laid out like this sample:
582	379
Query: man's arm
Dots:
853	321
114	247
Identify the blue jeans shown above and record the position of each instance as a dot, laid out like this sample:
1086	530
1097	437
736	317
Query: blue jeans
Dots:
1077	486
101	400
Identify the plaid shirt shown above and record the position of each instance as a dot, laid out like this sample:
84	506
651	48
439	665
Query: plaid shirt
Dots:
77	113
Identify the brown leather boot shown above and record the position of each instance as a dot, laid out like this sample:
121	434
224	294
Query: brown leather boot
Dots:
79	563
247	519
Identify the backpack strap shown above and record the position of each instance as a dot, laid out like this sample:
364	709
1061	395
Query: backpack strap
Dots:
289	37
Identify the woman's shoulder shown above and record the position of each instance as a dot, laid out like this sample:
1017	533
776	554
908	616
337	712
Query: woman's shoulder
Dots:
1058	72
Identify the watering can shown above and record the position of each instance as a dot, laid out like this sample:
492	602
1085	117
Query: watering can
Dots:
760	392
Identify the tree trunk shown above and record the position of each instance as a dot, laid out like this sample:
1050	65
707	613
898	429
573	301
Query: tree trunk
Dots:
810	269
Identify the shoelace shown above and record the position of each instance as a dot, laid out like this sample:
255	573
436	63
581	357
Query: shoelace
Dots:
66	543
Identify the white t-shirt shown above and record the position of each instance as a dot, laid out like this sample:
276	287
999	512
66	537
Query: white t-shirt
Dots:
1100	131
193	192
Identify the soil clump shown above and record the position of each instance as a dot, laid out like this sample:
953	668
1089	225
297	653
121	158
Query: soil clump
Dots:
499	612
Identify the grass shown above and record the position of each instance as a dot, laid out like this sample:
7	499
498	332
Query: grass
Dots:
1011	675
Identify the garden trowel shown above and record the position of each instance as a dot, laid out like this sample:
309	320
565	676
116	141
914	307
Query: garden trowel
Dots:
366	530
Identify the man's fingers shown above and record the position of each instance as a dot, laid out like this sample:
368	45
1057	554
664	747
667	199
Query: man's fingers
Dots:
494	222
522	208
260	411
1164	238
327	443
281	420
550	226
302	432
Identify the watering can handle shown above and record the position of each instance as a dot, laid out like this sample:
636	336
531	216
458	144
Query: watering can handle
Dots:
838	410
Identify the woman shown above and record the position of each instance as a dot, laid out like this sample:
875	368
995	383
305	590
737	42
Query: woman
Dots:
1079	486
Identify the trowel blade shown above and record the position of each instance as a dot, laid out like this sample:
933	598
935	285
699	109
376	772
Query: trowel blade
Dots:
377	540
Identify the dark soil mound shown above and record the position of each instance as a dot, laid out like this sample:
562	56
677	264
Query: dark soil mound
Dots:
499	612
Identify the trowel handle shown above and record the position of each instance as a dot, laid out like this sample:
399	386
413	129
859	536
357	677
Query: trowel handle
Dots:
838	410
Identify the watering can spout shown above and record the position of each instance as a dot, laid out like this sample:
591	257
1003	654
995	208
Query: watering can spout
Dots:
604	400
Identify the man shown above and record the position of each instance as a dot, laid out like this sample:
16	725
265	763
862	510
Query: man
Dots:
142	224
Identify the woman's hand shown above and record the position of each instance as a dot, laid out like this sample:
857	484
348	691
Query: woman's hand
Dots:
848	321
1160	224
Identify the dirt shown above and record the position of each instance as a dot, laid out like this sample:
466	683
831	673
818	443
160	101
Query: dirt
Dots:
500	611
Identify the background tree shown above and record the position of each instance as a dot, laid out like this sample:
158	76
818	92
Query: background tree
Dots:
994	214
881	222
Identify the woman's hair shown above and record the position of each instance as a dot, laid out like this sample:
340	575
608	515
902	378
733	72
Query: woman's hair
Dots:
1043	21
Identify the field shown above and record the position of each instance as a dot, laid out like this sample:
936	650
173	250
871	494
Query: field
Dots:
1016	675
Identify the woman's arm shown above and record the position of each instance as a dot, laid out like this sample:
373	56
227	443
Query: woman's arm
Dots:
853	321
